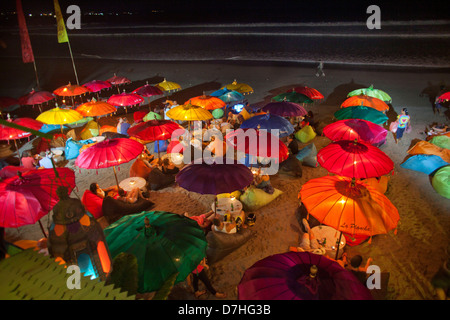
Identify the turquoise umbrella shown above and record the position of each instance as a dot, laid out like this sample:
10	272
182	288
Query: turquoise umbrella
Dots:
371	92
361	112
164	243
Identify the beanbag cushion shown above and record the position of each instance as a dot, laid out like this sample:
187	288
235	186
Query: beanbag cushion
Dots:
308	156
236	194
426	163
73	147
157	180
221	244
292	165
305	134
380	184
425	147
441	141
139	169
254	198
441	182
114	209
92	203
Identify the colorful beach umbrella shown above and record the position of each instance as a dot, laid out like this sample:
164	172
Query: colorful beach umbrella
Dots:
95	108
71	91
259	143
230	96
36	98
151	116
6	102
355	159
109	153
349	206
207	102
371	92
148	91
8	133
284	109
269	122
163	243
351	129
125	99
309	92
444	97
117	81
292	96
361	112
154	130
366	101
189	112
27	197
59	116
97	85
168	86
242	88
300	276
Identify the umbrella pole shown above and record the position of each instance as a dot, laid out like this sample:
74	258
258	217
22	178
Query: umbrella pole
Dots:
18	153
115	176
42	228
338	245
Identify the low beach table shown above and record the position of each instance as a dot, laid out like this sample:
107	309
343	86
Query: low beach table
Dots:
130	183
233	206
331	237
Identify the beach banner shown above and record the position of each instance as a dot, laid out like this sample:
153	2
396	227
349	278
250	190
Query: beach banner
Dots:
27	51
62	33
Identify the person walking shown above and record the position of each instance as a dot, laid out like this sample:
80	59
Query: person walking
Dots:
320	70
403	121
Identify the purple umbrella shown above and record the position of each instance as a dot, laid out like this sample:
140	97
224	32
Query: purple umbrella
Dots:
292	276
215	178
284	109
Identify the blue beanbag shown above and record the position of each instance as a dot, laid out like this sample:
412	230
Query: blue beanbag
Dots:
73	147
308	156
426	163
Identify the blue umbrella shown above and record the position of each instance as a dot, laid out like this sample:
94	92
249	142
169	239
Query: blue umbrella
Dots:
219	92
269	122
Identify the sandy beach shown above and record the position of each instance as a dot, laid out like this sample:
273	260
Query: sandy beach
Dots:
412	256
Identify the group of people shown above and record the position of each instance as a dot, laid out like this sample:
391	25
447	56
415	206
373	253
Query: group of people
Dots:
41	160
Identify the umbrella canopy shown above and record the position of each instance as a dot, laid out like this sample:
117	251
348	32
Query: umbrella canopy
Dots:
239	87
59	116
151	116
109	153
444	96
207	102
164	243
215	178
292	96
269	122
358	129
6	102
309	92
148	91
229	96
168	86
36	97
354	159
267	145
97	85
189	112
300	276
125	99
371	92
116	80
154	130
349	206
284	109
26	198
95	108
8	133
361	112
71	90
366	101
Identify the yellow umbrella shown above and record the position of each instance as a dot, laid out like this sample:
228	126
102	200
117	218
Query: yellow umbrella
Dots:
189	112
239	87
168	86
59	116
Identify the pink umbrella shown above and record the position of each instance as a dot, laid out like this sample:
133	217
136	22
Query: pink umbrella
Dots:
125	99
116	81
97	85
444	96
148	91
36	98
109	153
351	129
309	92
6	102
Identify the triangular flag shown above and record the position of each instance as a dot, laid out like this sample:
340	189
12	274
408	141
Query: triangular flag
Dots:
62	33
27	51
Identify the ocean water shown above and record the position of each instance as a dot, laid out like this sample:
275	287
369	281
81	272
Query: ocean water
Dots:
424	44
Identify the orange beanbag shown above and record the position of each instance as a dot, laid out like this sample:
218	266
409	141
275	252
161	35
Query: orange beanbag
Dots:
92	203
139	169
424	147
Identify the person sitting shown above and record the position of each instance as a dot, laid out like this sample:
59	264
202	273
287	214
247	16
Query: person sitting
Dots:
45	161
146	157
131	196
226	227
307	239
28	161
204	220
293	145
263	182
168	167
355	266
103	193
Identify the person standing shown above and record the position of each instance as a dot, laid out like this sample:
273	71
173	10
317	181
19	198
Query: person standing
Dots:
320	70
403	121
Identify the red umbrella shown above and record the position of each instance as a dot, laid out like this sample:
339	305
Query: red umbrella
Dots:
354	159
148	91
444	96
26	198
6	102
351	129
109	153
138	116
125	99
8	133
71	91
116	81
259	143
309	92
36	97
97	85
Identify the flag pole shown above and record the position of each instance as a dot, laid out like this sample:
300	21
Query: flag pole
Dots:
73	62
37	78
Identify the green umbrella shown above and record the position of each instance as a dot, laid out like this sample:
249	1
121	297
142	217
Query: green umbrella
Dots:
218	113
293	96
371	92
164	243
152	116
361	112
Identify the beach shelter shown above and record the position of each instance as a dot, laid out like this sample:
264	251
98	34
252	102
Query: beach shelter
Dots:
354	159
311	93
207	102
361	112
371	92
117	81
441	181
426	163
292	96
366	101
425	147
163	243
168	86
284	108
269	122
351	129
242	88
300	276
109	153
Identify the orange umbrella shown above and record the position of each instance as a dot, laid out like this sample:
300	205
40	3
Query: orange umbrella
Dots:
95	108
349	206
366	101
207	102
70	90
